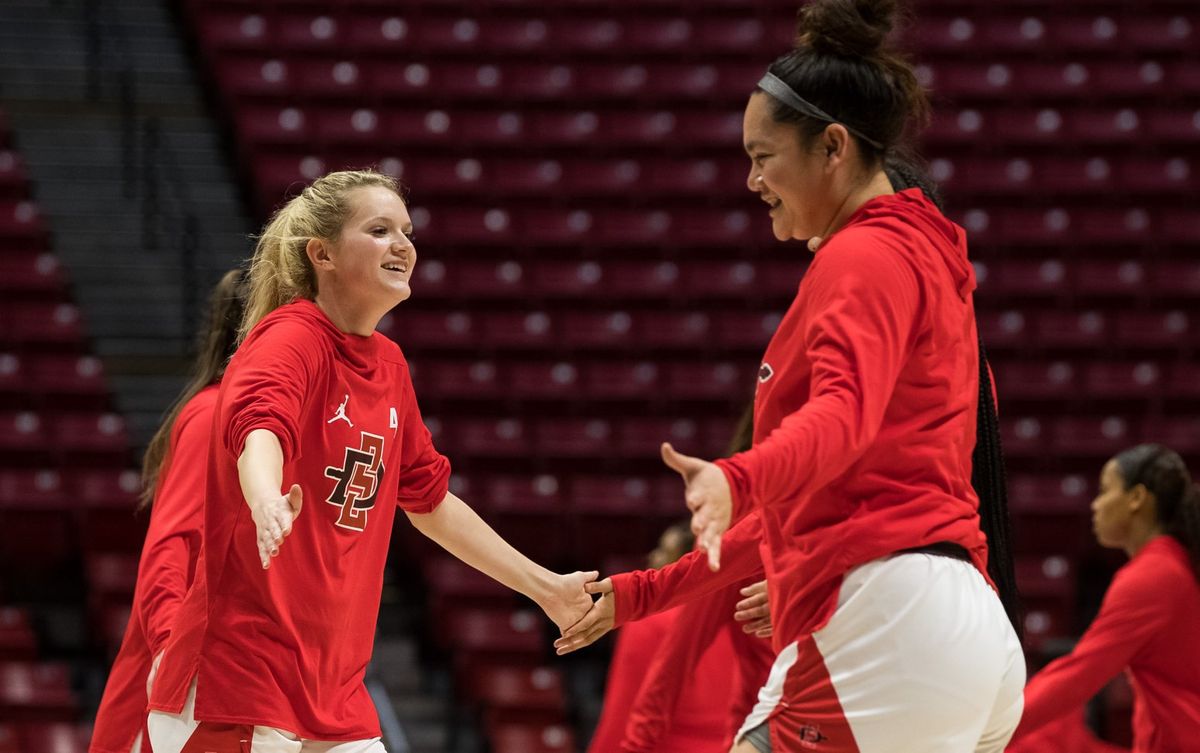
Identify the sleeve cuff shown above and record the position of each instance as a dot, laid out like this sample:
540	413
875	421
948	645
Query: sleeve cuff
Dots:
738	493
624	588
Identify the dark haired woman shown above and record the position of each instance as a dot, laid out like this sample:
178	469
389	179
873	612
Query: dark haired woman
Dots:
172	470
872	400
1149	623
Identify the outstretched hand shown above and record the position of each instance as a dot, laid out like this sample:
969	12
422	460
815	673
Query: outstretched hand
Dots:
707	494
598	621
273	517
754	610
569	600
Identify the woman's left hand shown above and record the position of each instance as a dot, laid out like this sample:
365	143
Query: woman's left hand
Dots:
754	610
707	494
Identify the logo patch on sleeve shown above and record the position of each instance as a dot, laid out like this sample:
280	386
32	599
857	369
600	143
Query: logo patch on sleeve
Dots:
765	372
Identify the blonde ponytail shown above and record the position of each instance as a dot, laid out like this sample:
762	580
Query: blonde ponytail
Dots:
280	271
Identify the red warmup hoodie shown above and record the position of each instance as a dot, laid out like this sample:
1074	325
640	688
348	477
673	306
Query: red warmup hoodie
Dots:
864	422
165	572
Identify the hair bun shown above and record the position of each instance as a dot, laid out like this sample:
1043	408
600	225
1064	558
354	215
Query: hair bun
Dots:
846	28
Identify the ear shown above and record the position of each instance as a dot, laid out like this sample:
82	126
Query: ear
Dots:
1139	498
318	254
835	140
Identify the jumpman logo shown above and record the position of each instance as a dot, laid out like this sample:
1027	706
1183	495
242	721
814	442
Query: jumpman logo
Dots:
340	415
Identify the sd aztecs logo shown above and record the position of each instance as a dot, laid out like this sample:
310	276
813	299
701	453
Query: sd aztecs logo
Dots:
357	482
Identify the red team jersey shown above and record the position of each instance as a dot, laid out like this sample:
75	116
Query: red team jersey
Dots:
693	719
1149	626
864	422
288	647
165	571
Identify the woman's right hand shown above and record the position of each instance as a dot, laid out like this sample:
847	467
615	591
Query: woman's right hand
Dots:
273	517
598	621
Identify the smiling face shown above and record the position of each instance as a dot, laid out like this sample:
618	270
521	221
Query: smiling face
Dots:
369	265
793	178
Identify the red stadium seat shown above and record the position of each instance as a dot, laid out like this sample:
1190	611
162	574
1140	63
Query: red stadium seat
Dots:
1086	329
519	693
90	433
21	221
436	329
721	380
534	329
78	377
36	692
57	737
23	432
17	639
309	33
14	178
525	177
504	280
31	274
505	437
14	380
1023	379
531	738
1100	438
1123	379
377	33
236	31
595	329
623	380
270	126
255	78
463	379
1125	278
1158	330
496	632
9	741
538	82
685	329
571	280
543	380
573	437
1050	494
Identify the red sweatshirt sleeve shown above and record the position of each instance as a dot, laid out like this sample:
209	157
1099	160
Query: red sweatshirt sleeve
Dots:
698	624
173	539
1136	607
645	592
277	369
864	301
425	477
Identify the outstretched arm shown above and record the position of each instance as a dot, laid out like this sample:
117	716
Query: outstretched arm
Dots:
260	472
461	532
632	596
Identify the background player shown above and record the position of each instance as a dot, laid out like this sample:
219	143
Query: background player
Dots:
1150	618
173	469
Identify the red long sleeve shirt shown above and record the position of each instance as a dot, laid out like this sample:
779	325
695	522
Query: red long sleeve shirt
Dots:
696	714
864	419
662	703
165	571
1149	626
288	647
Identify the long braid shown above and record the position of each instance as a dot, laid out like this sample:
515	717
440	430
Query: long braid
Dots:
990	482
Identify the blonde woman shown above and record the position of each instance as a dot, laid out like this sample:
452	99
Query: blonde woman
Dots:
317	440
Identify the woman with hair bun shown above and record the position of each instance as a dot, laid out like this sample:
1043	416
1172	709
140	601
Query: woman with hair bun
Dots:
1149	623
875	471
